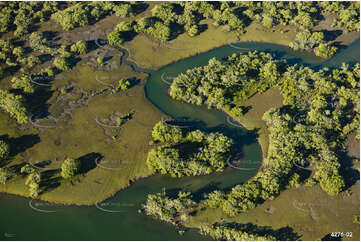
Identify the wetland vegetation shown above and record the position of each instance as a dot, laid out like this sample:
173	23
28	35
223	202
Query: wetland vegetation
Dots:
85	111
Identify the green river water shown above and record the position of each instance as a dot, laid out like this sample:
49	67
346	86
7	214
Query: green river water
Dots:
118	217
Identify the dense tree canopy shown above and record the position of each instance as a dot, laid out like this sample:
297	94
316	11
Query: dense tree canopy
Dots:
14	105
321	110
187	153
4	150
70	168
228	232
221	84
168	209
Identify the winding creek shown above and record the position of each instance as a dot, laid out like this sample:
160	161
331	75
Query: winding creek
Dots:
117	218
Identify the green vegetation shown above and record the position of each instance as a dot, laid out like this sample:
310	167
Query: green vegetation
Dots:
61	63
308	205
5	175
229	232
4	150
81	14
22	15
221	84
70	168
187	153
168	209
320	108
309	130
315	41
348	14
79	47
14	105
123	85
33	184
24	83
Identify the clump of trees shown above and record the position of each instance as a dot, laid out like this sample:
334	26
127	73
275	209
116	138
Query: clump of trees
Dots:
4	150
23	82
123	85
81	14
5	175
321	110
233	232
61	63
167	209
70	168
347	14
79	47
21	16
33	183
76	15
313	42
187	153
171	19
14	105
223	84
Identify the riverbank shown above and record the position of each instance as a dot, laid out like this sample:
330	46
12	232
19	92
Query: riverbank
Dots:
61	143
123	150
154	55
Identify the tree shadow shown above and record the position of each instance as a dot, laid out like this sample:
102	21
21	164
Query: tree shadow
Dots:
139	7
73	61
330	35
202	28
200	193
89	161
16	168
20	144
50	180
350	174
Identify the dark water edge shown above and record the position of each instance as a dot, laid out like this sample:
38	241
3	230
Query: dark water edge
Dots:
119	219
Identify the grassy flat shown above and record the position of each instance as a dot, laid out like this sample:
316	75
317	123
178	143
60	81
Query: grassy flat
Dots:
83	136
308	210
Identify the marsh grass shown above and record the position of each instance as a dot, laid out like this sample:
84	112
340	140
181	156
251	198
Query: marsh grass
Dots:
82	135
308	210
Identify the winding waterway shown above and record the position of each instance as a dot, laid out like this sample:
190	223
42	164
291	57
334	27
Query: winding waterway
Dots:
118	217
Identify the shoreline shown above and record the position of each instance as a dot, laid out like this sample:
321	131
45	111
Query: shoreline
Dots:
135	179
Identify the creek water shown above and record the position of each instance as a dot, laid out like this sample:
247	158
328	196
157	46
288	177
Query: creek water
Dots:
117	218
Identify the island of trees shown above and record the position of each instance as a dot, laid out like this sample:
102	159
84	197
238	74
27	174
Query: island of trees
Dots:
186	152
321	108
